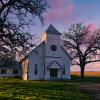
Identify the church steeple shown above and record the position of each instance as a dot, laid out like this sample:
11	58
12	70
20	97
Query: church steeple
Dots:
52	30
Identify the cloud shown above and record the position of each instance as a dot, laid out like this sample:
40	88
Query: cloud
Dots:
68	10
92	27
60	11
56	3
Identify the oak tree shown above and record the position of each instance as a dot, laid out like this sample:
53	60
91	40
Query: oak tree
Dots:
15	17
82	45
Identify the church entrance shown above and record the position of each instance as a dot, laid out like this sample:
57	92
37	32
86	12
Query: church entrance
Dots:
53	73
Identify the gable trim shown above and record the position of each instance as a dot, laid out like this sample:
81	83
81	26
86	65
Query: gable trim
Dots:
31	51
66	52
48	67
52	57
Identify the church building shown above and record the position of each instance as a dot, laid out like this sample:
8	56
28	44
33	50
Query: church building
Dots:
49	60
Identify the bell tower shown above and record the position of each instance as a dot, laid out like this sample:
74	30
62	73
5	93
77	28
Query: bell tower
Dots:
52	42
52	52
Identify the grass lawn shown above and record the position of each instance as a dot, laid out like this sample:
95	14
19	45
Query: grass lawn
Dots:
17	89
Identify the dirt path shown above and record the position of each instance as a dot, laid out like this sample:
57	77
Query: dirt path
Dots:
91	89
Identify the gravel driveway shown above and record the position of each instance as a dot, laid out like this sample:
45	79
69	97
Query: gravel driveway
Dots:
91	89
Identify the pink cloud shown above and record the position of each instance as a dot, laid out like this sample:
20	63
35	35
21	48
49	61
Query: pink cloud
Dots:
92	27
56	3
68	10
53	16
60	11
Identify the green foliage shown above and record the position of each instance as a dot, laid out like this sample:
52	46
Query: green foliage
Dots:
16	89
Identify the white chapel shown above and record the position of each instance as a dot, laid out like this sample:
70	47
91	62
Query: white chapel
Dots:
49	60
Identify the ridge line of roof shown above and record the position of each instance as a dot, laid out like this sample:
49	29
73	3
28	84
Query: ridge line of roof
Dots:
52	30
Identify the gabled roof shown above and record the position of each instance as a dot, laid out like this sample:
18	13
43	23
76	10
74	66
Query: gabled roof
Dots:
66	52
54	62
32	51
52	30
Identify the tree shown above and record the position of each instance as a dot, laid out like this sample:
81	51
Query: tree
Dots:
6	61
82	45
15	17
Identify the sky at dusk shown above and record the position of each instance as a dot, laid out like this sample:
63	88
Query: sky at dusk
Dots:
63	13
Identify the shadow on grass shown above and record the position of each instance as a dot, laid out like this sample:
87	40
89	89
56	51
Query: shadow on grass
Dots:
85	80
8	98
17	89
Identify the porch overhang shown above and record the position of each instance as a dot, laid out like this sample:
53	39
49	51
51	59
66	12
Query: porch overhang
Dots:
54	65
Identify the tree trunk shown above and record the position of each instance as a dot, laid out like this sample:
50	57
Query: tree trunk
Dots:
82	72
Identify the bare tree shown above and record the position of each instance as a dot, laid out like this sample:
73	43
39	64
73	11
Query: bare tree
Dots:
82	45
15	17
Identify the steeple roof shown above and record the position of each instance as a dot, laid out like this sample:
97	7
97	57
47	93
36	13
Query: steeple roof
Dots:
52	30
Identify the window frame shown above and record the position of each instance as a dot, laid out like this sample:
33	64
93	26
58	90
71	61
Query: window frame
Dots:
3	71
53	47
